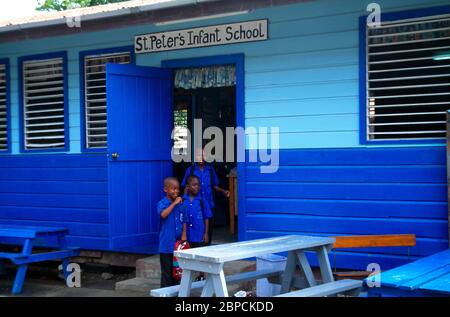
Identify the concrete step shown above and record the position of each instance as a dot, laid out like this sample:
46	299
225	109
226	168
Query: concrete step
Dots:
148	276
138	285
148	267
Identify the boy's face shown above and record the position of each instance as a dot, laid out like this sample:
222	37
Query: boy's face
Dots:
194	186
172	189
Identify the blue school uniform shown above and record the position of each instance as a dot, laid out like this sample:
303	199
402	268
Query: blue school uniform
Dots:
205	181
170	227
196	212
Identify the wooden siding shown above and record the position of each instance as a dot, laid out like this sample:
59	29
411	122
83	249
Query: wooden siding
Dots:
70	191
304	79
354	192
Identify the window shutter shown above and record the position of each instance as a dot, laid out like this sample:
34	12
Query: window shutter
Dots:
95	96
408	84
43	100
3	110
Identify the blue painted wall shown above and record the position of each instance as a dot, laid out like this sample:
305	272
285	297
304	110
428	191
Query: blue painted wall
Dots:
57	190
304	76
354	191
304	79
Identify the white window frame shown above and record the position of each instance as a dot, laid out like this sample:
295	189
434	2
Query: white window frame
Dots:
95	102
44	124
370	102
4	105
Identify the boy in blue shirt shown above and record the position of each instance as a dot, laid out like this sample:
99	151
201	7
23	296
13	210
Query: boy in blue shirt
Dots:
172	228
197	213
209	182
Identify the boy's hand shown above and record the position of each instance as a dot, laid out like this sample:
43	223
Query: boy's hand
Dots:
178	200
205	238
226	193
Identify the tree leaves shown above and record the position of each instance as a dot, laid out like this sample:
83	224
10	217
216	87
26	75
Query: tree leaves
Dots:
61	5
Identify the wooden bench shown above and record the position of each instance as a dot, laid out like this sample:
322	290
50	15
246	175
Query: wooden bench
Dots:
351	287
172	291
29	235
344	284
370	241
427	277
211	260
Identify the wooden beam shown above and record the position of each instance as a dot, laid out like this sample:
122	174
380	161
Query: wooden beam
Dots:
389	240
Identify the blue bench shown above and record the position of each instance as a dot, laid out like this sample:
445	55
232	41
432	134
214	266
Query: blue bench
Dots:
427	277
29	235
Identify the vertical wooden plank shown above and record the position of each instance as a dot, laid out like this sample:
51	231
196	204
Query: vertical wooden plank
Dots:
27	247
20	277
324	263
62	243
208	289
186	283
287	277
22	269
220	286
306	268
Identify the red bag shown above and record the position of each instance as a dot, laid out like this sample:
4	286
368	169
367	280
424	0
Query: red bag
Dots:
176	270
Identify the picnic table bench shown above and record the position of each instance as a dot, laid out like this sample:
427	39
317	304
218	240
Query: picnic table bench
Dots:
29	235
427	277
211	260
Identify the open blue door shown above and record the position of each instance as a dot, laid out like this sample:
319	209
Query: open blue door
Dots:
139	103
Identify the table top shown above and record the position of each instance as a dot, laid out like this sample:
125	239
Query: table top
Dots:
28	231
430	274
252	248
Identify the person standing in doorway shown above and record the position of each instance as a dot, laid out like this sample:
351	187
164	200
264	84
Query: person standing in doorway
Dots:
209	183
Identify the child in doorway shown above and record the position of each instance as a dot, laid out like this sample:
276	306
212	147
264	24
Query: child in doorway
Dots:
197	213
209	183
172	228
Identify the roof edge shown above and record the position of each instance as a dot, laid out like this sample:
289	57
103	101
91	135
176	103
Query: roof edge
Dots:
101	15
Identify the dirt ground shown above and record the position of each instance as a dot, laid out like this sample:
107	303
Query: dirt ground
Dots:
96	281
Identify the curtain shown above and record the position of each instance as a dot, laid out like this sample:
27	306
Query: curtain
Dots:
205	77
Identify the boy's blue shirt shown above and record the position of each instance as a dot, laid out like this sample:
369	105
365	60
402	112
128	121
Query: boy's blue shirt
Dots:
205	181
195	217
171	227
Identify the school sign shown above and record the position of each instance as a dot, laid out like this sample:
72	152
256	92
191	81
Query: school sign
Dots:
203	36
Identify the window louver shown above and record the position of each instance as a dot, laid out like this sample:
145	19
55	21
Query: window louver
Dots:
43	100
408	85
95	96
3	110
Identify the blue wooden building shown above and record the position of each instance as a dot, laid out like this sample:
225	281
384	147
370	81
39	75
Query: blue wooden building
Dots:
86	114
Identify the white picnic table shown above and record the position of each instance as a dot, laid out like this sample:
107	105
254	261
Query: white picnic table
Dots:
211	260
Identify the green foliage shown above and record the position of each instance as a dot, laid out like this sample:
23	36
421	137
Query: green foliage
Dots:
61	5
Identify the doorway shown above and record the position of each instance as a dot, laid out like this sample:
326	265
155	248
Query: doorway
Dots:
212	100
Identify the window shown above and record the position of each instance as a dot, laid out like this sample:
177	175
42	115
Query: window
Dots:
44	102
408	79
3	107
95	96
180	122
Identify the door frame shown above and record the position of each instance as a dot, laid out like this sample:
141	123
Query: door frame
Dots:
238	61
